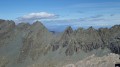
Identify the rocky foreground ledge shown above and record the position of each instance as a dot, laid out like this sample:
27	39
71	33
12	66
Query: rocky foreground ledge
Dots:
26	45
93	61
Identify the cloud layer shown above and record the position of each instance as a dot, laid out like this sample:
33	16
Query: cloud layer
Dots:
37	16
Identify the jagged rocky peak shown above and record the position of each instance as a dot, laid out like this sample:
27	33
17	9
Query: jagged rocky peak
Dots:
6	26
68	30
115	29
64	39
6	31
116	26
103	29
38	23
23	26
7	23
66	34
36	42
37	26
91	29
79	30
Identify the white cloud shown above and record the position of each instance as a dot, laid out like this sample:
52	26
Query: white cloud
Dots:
95	21
37	16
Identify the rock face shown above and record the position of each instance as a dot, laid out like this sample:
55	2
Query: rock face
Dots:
88	39
26	43
36	42
6	31
92	61
66	36
110	38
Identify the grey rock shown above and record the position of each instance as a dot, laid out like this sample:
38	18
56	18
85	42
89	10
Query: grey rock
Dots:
26	43
6	31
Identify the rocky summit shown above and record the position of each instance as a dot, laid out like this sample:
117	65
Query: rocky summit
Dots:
33	45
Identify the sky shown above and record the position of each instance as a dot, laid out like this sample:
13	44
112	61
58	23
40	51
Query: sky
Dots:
58	14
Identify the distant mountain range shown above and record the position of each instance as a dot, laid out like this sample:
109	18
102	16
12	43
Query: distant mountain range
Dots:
32	45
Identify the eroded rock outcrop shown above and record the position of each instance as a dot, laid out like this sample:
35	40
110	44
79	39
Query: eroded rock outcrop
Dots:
36	42
93	61
29	42
6	31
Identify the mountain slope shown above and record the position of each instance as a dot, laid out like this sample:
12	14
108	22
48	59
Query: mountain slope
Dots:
27	44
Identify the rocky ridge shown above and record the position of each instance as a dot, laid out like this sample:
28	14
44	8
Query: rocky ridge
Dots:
25	43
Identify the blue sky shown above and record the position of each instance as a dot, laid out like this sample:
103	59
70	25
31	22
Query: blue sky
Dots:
57	14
